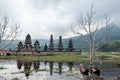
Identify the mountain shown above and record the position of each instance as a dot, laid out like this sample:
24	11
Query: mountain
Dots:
113	33
78	41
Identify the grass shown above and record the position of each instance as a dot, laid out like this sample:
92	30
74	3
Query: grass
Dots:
107	57
84	57
55	57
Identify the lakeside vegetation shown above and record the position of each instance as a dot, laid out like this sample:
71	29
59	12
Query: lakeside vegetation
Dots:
84	57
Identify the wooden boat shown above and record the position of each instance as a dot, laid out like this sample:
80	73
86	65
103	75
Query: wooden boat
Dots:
95	73
84	70
118	65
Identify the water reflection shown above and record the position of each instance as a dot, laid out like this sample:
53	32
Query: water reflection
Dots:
36	65
60	67
70	65
45	63
19	64
37	70
27	65
51	67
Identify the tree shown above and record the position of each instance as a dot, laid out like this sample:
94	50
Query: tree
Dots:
89	26
113	46
45	47
9	30
104	47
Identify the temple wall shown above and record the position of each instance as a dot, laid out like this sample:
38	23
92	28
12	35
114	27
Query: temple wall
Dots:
47	53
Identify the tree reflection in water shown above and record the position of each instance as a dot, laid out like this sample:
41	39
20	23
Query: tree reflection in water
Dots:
45	63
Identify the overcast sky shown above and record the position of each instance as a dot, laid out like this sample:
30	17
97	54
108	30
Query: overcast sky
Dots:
41	18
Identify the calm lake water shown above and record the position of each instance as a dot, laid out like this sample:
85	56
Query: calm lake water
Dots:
36	70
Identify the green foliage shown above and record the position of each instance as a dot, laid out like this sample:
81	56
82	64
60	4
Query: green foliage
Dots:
105	47
110	47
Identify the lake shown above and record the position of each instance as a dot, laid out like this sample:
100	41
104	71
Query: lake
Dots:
37	70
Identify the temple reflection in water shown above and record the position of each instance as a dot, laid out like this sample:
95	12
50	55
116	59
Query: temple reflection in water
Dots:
30	66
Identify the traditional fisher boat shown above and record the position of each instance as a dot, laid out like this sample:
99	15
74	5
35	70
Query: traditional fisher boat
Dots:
95	72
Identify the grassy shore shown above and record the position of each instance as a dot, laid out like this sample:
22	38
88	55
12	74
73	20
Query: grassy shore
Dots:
54	57
84	57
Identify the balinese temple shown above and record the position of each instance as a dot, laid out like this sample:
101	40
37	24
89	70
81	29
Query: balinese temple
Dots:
60	44
28	46
51	46
37	46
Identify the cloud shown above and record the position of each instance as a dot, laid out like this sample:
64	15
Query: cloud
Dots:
41	18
